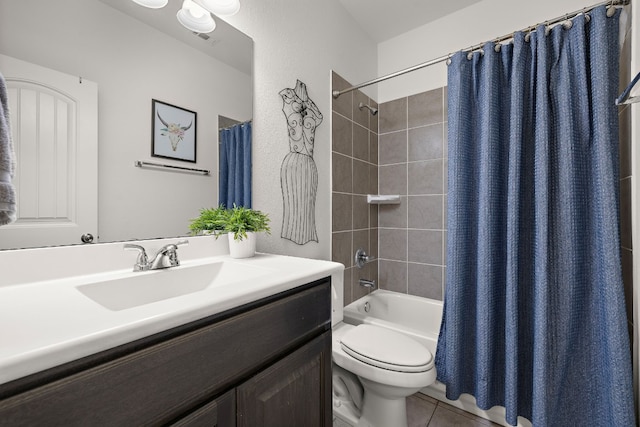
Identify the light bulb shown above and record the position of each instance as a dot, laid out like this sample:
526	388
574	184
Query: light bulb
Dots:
221	7
195	18
152	4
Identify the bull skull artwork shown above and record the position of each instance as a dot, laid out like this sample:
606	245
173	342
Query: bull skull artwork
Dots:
174	131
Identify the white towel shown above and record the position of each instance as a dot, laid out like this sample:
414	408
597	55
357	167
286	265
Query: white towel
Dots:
7	161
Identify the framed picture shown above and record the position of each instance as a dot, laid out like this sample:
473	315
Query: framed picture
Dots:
173	133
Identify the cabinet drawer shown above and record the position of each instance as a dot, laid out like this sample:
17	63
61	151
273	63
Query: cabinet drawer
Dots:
157	384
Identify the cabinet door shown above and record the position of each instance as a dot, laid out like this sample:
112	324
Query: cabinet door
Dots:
219	413
295	391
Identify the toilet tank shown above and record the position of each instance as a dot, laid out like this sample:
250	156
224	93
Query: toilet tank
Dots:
337	297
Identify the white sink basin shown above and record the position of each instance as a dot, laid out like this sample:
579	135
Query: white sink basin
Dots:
146	287
78	306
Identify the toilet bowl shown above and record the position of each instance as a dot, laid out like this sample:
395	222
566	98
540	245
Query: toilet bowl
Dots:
389	367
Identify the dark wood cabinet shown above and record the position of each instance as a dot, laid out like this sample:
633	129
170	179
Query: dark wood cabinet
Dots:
287	394
269	362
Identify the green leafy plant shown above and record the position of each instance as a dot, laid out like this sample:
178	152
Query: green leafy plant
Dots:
241	220
211	220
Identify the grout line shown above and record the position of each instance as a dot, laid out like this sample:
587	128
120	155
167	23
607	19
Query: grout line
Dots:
406	130
445	176
414	161
377	165
352	157
411	128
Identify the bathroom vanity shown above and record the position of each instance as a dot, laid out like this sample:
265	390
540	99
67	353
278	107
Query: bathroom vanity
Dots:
264	361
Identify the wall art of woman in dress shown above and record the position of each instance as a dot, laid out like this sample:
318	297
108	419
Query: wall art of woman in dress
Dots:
298	173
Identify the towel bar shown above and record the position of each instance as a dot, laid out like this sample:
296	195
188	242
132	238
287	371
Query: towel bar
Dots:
141	164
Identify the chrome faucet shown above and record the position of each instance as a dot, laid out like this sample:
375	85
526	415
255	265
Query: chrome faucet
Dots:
167	256
371	284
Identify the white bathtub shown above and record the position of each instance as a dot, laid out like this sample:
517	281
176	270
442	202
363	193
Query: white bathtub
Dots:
420	319
414	316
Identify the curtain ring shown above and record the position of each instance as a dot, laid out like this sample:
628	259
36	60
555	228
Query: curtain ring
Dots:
530	30
497	46
547	28
611	10
470	55
587	17
448	61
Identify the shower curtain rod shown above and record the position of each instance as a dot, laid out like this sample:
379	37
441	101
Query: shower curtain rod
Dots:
337	93
239	123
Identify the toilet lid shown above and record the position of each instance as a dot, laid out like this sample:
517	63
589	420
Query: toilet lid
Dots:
386	349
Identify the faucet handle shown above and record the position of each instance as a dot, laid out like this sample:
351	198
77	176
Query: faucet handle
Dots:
171	248
361	258
142	262
173	254
167	256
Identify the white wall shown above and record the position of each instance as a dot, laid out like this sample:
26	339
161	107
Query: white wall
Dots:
475	24
302	39
132	63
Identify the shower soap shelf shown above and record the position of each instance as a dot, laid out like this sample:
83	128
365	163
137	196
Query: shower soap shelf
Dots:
383	199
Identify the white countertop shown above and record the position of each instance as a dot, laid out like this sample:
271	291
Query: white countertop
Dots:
47	323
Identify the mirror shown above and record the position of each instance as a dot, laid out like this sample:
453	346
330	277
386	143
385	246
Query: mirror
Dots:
134	55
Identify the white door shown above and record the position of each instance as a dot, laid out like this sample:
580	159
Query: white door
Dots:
54	123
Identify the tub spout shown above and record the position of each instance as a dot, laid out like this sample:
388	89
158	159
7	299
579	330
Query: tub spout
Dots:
371	284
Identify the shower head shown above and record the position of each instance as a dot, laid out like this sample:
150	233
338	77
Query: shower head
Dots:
373	111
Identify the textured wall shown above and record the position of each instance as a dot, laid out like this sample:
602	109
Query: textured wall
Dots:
298	40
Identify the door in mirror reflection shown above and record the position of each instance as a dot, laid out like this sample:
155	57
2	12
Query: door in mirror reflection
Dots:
55	133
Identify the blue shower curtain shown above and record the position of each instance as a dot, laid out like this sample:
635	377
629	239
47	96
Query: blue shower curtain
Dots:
235	166
534	315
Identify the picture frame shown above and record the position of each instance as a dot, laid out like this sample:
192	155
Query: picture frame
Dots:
173	132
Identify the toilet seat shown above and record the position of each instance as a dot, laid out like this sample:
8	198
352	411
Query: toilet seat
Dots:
386	349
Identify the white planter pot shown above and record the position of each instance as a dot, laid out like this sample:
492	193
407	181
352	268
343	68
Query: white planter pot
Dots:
245	248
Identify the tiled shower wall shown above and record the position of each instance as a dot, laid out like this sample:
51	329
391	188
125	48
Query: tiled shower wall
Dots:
354	175
407	158
413	164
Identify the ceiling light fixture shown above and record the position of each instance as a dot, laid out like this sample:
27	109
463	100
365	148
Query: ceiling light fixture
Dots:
152	4
195	18
195	15
220	7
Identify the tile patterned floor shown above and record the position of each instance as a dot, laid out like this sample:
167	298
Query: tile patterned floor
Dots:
424	411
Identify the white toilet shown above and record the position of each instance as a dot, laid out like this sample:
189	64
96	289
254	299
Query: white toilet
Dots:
374	370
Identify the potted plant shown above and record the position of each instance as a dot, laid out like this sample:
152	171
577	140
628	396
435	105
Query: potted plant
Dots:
210	221
242	223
